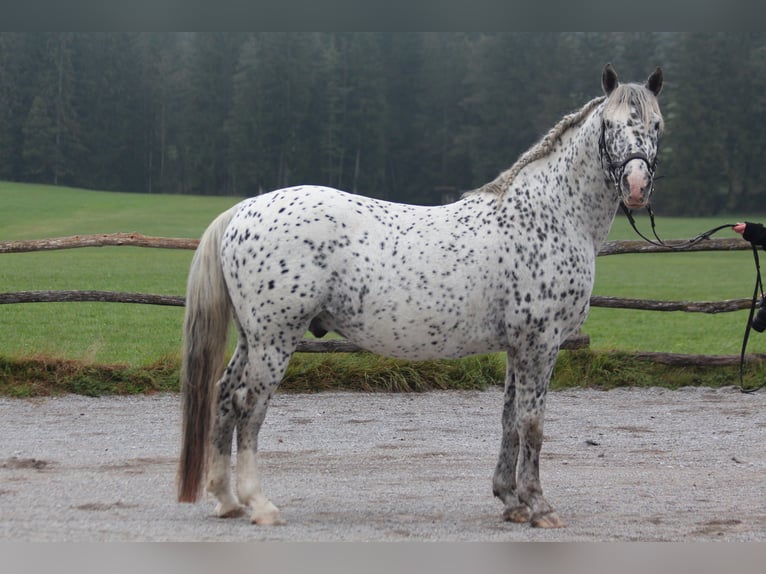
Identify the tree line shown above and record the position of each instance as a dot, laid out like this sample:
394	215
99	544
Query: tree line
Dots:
413	117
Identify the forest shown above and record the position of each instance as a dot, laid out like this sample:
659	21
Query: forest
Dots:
415	117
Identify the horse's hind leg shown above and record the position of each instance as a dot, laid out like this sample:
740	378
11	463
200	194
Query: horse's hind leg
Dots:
263	374
219	481
504	479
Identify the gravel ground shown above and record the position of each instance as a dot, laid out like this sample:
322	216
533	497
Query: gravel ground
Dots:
622	465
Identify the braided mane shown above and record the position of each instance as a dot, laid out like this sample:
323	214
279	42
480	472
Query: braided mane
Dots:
500	184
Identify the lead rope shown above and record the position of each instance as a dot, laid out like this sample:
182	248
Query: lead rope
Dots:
706	235
757	291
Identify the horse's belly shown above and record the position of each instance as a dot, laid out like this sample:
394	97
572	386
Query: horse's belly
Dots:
417	338
418	350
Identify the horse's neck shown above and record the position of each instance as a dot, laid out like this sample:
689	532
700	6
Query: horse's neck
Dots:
592	204
601	196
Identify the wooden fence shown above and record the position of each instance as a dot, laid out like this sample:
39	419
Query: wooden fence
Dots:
313	346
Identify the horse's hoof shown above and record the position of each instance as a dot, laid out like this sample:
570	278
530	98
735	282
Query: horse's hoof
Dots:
517	514
229	511
268	519
548	520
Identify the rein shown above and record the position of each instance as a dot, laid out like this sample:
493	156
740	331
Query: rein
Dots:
659	242
758	289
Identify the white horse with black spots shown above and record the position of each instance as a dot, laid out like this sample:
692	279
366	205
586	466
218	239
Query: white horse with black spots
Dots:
509	267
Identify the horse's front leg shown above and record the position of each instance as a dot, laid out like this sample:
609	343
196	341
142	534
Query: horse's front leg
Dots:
530	492
523	426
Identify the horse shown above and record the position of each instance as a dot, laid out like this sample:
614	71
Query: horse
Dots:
508	267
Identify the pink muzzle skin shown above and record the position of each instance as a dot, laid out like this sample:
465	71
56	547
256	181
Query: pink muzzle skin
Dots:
636	184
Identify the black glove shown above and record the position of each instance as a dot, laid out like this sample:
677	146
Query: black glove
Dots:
755	233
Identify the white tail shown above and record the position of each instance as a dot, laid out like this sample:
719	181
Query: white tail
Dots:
206	325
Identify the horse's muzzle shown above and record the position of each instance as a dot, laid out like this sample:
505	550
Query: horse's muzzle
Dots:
636	183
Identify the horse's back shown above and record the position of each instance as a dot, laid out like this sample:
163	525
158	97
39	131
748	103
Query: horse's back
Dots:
324	218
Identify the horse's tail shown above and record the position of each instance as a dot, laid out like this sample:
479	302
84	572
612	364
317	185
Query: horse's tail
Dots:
206	325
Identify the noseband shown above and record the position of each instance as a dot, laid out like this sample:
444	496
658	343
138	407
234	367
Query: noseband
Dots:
616	169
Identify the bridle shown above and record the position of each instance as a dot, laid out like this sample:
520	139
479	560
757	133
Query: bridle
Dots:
616	169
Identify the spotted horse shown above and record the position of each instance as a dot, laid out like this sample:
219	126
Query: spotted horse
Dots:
509	267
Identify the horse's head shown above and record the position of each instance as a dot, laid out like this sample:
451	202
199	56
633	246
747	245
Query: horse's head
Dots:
630	130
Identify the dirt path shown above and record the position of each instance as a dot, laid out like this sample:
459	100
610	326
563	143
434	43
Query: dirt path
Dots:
649	465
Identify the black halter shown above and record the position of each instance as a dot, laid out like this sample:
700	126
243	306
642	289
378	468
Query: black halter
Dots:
616	169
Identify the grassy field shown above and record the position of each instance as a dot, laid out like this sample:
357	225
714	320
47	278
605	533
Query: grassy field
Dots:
96	332
138	336
700	276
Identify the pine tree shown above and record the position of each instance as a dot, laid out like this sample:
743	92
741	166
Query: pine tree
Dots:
39	150
212	64
694	147
13	109
159	92
365	116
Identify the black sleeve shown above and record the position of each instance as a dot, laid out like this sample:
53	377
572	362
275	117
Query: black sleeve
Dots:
755	233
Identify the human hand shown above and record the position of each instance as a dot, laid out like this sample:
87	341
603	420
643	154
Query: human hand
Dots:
739	228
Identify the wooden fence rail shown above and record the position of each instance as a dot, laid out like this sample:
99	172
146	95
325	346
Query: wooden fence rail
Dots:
312	346
139	240
622	247
99	240
178	301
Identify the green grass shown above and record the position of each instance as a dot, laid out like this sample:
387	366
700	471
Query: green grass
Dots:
92	348
609	370
364	372
368	372
43	376
39	211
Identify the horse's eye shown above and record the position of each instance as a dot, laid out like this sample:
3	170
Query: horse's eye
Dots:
657	126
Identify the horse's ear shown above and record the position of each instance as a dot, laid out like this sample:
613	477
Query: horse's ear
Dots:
609	79
654	82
